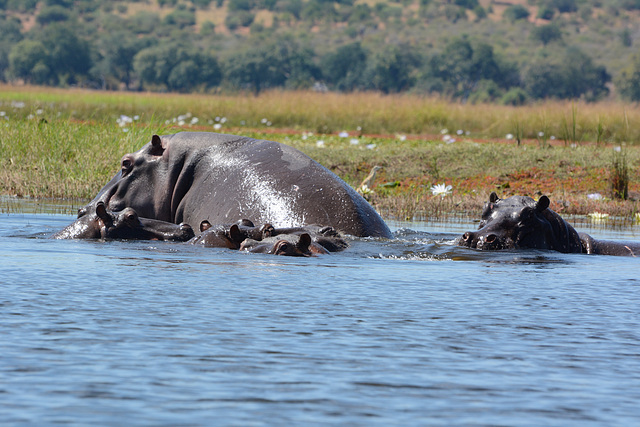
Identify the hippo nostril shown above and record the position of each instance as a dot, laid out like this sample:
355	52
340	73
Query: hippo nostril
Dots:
491	238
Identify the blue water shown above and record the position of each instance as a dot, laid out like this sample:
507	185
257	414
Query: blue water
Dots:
411	331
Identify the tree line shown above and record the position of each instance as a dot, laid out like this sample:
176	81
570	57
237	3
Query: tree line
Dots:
146	53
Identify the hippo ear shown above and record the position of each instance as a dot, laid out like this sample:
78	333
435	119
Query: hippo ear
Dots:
156	146
267	230
246	223
542	203
236	234
101	211
493	197
205	225
304	242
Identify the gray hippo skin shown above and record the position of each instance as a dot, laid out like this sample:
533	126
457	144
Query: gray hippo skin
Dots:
230	235
194	176
286	244
100	223
521	222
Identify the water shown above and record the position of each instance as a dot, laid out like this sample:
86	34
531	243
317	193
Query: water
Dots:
413	331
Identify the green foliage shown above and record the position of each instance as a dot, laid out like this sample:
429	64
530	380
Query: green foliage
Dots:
516	12
345	67
546	33
463	64
51	14
574	75
628	83
411	43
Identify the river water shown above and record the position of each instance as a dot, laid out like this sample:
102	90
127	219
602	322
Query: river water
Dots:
412	331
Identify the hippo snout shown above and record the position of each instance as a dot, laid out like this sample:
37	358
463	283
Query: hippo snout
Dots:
483	241
186	231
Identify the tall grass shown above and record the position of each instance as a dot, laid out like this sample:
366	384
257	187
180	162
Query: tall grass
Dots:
67	143
372	113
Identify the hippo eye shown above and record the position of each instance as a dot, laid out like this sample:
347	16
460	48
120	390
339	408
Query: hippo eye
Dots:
126	165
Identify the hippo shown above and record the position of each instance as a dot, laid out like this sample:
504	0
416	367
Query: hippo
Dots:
519	222
192	176
326	236
288	244
230	235
101	223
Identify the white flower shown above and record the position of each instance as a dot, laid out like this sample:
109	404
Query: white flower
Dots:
509	136
264	121
320	143
3	113
594	196
223	120
371	146
194	120
617	149
124	120
552	137
39	111
343	134
441	190
598	216
540	134
217	126
354	141
460	132
444	131
402	137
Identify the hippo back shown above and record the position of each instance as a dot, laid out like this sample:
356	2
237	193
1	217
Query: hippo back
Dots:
195	176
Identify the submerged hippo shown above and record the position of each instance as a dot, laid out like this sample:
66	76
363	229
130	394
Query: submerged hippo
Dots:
101	223
286	244
521	222
191	176
230	235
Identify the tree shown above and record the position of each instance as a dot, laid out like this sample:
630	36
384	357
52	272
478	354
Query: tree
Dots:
68	56
176	67
546	33
516	12
392	69
24	57
568	76
462	65
343	69
628	83
277	63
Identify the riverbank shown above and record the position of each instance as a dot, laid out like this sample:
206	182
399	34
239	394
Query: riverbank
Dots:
68	145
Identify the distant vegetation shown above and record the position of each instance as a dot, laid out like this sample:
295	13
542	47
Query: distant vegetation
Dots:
510	52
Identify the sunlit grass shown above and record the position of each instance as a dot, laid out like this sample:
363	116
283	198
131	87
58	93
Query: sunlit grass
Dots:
68	144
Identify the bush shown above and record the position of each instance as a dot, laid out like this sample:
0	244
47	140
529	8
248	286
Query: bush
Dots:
516	12
546	33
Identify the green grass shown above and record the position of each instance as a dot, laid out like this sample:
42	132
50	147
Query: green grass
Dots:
73	146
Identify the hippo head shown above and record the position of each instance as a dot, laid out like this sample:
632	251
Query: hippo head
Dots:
514	223
141	178
101	223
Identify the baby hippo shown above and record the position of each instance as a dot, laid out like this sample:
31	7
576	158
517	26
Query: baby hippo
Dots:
126	224
325	236
230	235
285	244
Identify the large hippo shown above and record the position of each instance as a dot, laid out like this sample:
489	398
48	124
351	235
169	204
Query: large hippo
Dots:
100	223
194	176
521	222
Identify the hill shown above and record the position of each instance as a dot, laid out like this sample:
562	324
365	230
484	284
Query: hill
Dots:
478	50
